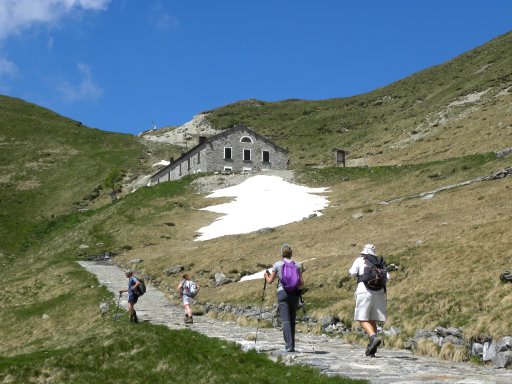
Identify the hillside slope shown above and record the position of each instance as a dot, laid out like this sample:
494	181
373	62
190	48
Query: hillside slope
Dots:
51	165
433	129
458	108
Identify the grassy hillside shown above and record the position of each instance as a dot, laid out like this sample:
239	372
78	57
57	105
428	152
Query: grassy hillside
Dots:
52	329
457	108
433	129
50	166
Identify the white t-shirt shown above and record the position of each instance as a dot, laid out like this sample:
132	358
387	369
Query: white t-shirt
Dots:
357	269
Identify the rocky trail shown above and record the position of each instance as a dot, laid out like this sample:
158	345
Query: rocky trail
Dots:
331	355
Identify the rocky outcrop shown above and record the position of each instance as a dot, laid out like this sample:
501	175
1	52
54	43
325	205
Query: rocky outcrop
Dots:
182	135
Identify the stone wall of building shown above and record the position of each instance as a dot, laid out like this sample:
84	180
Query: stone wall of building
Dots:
235	150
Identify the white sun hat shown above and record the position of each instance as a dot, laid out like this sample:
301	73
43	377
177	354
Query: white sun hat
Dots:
369	249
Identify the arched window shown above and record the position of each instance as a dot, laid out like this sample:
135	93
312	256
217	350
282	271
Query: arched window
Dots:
246	139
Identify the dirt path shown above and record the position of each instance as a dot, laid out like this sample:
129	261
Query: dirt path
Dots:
330	355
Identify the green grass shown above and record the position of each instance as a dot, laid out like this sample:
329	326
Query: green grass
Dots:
369	124
50	166
153	354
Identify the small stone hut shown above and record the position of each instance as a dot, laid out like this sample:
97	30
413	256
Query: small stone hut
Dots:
237	149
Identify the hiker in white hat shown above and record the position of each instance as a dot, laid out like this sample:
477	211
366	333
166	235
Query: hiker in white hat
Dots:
370	308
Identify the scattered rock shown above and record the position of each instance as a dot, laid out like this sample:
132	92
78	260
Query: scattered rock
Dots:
489	351
502	360
137	261
357	215
504	152
506	277
428	196
504	344
501	174
173	270
221	279
103	308
477	350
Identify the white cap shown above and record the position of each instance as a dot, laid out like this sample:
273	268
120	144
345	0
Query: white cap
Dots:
369	249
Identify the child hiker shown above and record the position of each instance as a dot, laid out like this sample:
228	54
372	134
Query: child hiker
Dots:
187	290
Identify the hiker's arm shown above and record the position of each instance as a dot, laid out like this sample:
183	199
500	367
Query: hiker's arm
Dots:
137	283
179	289
270	277
122	291
301	285
354	269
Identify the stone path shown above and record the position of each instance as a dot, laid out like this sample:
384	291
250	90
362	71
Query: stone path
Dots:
332	356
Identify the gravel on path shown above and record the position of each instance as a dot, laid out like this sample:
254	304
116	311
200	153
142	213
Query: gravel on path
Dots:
331	355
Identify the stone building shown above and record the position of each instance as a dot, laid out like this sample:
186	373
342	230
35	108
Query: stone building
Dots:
237	149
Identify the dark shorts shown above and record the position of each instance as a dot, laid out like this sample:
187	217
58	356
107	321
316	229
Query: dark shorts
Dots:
132	298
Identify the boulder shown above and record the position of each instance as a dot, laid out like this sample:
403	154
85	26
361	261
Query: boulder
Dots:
477	349
489	351
173	270
502	360
506	277
103	308
221	279
504	344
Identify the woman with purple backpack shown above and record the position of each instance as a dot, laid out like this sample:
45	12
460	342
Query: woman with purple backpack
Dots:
290	280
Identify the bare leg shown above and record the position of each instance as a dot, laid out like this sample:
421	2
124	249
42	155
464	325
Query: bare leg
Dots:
370	327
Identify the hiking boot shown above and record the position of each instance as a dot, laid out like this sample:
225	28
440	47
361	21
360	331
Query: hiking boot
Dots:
372	347
367	352
188	320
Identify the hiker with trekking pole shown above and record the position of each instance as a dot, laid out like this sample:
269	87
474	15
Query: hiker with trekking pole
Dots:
290	281
370	295
133	295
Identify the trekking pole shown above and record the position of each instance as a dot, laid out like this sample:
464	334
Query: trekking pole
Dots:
117	309
261	308
303	305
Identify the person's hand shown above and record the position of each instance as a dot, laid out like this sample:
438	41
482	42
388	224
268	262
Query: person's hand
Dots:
267	272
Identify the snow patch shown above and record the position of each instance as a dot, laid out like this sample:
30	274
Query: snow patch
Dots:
260	202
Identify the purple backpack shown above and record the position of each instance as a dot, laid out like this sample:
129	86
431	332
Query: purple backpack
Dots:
290	276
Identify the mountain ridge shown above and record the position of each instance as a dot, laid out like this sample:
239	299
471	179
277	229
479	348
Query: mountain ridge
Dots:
438	127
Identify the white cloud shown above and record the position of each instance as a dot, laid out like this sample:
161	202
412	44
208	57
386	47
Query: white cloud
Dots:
87	89
7	70
16	15
161	19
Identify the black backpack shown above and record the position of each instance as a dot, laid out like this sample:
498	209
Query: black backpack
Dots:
141	288
375	273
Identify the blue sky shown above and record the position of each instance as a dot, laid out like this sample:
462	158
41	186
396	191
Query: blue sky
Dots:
120	65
